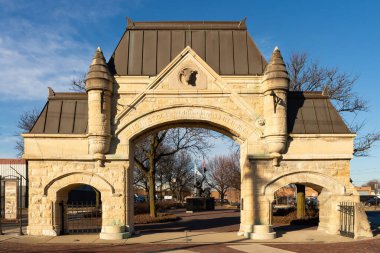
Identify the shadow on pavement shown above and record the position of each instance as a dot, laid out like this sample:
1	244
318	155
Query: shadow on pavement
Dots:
221	224
283	229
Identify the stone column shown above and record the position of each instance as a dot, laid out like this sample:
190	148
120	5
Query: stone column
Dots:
324	202
115	220
262	227
244	167
129	193
247	193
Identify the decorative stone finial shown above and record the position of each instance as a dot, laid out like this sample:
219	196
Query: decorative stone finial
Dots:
130	23
276	67
51	92
98	76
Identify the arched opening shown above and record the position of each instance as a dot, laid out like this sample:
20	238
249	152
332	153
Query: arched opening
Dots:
172	188
308	201
78	209
296	207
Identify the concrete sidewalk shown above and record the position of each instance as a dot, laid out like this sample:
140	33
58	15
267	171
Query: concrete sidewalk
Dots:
302	236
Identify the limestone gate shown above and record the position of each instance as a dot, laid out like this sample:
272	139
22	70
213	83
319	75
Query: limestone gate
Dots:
193	74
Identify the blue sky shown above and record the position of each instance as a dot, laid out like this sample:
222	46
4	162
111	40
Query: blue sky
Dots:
49	43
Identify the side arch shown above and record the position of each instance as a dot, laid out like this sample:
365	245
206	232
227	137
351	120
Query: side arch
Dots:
303	177
98	182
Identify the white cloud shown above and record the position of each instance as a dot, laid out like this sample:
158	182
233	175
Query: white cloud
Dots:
46	43
33	57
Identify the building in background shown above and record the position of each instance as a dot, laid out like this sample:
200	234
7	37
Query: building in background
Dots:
11	169
364	190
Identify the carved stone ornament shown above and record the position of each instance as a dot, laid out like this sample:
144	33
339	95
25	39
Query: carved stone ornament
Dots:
260	122
188	76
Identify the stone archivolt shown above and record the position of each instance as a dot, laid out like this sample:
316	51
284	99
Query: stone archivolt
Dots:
253	109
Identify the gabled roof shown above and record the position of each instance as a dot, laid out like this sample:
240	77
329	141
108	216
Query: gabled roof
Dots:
313	113
64	113
146	48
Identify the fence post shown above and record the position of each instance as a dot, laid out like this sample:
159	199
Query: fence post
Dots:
61	204
1	207
20	204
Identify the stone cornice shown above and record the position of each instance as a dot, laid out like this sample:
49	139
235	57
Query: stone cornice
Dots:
322	135
27	135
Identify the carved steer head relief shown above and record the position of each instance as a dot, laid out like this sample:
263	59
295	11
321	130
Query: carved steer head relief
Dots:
188	76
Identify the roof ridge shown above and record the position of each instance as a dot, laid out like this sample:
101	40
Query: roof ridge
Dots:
68	95
186	25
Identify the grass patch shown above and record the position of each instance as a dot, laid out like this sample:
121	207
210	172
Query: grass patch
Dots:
161	217
289	216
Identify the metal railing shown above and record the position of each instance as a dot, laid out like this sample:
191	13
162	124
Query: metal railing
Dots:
81	217
347	219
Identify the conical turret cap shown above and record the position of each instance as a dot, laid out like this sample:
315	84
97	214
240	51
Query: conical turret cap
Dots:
98	75
276	67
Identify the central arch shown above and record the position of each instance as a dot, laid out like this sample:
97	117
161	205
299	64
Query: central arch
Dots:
238	127
132	128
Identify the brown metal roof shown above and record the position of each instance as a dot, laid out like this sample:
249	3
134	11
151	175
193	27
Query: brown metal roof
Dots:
308	113
147	47
64	113
313	113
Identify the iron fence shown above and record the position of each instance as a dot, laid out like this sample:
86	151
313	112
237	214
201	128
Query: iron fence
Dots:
81	217
347	219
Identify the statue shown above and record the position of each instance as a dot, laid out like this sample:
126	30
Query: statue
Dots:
199	190
202	200
199	186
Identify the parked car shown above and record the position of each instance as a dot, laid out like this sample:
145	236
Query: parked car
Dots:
219	201
373	201
139	199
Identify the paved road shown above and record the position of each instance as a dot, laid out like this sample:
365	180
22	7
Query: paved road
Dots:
222	220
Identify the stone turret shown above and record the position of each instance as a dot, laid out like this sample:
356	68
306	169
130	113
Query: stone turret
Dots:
99	90
275	88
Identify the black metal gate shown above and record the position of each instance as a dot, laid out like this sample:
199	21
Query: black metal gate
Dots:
347	219
81	217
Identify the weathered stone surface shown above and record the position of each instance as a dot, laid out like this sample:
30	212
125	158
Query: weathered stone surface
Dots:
242	107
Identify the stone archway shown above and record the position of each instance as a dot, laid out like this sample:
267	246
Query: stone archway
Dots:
56	192
235	126
65	180
329	190
303	177
238	128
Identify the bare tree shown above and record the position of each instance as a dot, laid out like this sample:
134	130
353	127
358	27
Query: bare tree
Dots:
306	75
139	180
150	151
235	174
178	173
373	183
221	174
25	124
78	84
